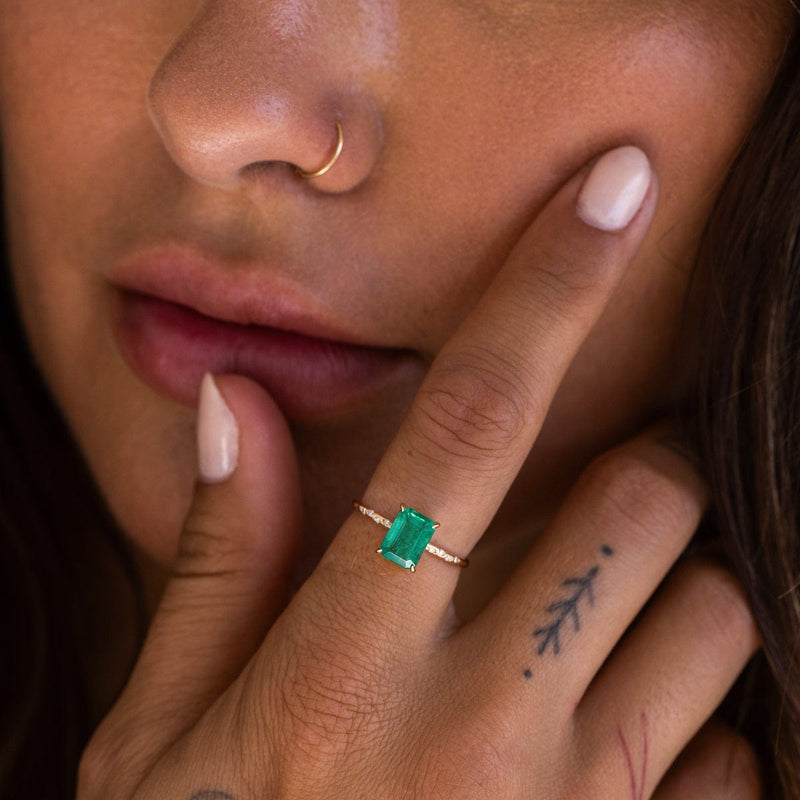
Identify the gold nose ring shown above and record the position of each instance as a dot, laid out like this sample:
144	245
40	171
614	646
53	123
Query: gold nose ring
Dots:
334	158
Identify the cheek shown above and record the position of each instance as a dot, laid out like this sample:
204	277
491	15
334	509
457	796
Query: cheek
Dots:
493	126
515	123
528	114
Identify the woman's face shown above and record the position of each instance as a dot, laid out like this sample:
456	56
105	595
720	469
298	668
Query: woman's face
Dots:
147	149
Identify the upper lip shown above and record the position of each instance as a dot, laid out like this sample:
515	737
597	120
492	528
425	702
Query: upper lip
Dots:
240	292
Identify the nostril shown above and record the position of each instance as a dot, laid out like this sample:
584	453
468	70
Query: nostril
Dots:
353	154
325	168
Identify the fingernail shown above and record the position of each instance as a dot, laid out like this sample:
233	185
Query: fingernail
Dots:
217	435
615	189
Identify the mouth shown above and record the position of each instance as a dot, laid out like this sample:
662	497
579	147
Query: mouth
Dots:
170	345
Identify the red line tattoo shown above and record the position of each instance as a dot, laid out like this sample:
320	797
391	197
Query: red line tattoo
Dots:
639	783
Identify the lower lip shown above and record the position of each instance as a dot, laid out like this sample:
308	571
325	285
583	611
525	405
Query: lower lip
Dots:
171	347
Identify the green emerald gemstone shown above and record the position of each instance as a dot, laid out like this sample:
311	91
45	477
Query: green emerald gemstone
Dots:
406	540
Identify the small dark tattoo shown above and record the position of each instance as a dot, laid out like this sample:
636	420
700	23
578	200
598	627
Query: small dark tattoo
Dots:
563	610
528	674
607	551
211	794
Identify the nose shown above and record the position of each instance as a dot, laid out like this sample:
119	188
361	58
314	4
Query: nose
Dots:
252	85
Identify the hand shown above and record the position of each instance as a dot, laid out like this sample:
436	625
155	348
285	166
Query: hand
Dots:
363	687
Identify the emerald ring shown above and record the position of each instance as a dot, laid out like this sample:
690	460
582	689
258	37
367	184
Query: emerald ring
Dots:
409	536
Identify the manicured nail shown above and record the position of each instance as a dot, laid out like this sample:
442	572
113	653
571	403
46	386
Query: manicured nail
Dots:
217	435
615	189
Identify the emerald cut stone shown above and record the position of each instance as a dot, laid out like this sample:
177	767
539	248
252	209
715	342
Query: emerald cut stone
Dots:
406	540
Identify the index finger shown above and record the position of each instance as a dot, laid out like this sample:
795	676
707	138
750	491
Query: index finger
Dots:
483	402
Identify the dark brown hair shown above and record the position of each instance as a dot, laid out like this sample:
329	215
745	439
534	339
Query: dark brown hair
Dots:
748	403
56	535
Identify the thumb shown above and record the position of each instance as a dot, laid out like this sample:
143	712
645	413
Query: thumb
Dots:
229	580
237	548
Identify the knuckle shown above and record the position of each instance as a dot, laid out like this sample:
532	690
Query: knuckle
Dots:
210	549
564	277
631	485
564	283
474	408
721	608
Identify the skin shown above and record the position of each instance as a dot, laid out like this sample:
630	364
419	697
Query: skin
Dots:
126	124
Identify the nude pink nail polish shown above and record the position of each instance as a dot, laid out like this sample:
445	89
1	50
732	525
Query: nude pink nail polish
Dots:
217	435
615	189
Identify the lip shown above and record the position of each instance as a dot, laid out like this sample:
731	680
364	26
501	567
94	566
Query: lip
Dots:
241	291
179	316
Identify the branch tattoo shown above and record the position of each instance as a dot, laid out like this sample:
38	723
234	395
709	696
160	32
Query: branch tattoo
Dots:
580	594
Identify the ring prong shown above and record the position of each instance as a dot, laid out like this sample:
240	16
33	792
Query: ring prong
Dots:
379	551
413	568
436	526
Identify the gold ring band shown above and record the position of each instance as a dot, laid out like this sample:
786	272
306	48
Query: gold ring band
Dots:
422	527
334	158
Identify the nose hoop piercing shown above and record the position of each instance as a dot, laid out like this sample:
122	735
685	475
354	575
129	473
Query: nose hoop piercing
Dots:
337	152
